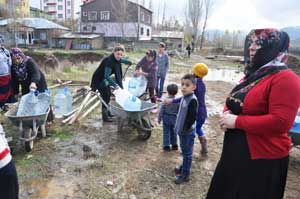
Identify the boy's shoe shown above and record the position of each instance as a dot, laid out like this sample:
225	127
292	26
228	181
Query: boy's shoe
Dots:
181	179
175	147
167	148
178	170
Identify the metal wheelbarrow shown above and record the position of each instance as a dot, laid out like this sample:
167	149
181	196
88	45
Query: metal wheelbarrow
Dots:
139	120
28	126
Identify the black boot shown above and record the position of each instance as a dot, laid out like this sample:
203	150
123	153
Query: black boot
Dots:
110	114
105	116
181	179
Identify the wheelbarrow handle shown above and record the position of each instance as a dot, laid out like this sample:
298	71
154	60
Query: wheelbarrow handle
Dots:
126	71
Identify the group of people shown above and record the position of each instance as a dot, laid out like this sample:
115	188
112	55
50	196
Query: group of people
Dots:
257	116
16	70
154	66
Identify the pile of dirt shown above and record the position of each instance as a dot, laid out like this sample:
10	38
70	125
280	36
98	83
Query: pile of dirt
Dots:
49	60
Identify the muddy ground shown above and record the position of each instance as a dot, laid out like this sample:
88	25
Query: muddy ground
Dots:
93	161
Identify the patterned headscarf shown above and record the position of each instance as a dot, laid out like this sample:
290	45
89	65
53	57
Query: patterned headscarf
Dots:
20	69
273	52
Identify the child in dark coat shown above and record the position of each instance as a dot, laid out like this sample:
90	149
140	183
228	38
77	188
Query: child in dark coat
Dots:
168	114
185	126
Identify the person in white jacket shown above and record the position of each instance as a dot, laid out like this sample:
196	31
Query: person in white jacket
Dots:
9	187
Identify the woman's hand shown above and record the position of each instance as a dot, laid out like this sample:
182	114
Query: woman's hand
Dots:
137	73
33	86
227	120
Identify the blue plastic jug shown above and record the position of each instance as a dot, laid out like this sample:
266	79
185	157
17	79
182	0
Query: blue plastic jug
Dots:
69	97
60	104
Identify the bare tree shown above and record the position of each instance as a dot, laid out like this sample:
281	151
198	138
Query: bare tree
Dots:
207	7
157	16
194	13
164	15
150	4
120	12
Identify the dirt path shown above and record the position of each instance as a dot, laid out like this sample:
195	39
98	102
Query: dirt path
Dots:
94	161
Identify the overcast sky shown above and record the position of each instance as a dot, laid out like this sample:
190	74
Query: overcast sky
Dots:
236	14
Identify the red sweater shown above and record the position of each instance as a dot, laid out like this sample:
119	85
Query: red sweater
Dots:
269	110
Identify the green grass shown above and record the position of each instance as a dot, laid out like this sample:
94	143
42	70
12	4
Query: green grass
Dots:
62	135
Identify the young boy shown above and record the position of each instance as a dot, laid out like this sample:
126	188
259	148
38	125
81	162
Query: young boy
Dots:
168	115
199	71
185	126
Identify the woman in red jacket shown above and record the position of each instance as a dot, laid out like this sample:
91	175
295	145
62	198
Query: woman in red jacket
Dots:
258	114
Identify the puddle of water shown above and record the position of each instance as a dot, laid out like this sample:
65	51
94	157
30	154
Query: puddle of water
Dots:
226	75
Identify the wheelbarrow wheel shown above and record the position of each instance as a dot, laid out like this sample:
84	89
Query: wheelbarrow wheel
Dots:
144	134
28	144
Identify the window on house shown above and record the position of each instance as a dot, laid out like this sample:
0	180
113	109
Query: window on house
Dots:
69	11
105	15
142	30
60	16
60	0
84	28
149	19
93	28
46	8
148	32
60	7
92	16
69	3
142	16
84	14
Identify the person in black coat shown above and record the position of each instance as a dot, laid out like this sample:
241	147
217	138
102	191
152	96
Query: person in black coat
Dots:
26	73
102	80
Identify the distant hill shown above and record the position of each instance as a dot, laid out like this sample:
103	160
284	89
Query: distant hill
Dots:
293	31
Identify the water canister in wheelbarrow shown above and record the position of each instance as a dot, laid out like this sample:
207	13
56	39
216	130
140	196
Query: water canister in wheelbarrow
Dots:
60	104
127	101
132	103
27	103
34	103
137	85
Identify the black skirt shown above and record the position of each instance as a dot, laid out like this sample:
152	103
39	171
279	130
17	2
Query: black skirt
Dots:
9	187
238	177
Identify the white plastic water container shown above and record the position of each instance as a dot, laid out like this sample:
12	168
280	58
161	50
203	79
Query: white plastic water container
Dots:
121	95
132	85
127	101
132	103
137	85
27	104
69	97
60	104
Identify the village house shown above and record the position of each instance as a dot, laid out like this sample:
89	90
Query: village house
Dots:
79	41
117	20
173	39
29	31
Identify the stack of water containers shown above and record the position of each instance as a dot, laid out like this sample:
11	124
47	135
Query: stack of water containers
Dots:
63	102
